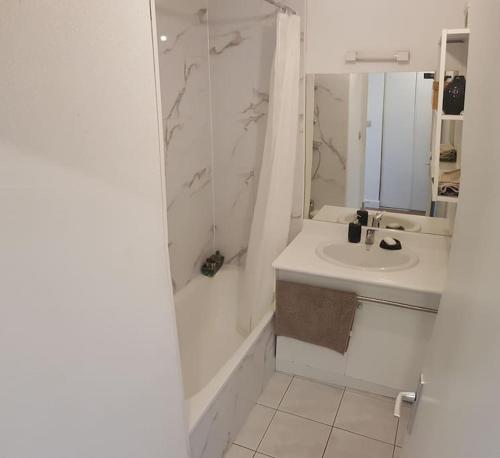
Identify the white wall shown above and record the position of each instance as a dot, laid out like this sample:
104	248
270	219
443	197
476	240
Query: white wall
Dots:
88	348
375	119
355	178
383	26
458	414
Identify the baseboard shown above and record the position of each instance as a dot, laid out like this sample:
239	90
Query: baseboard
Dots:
332	378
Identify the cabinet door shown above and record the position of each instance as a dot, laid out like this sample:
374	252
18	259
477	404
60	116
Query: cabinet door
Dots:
317	359
388	345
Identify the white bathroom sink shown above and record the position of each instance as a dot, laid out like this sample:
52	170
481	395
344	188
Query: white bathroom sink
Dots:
360	256
387	220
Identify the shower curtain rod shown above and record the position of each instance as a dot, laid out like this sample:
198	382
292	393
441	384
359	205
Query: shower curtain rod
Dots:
281	6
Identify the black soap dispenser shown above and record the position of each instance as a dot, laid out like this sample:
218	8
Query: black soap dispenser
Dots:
362	217
354	235
356	228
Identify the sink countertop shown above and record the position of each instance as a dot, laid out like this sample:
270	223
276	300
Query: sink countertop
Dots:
420	285
437	226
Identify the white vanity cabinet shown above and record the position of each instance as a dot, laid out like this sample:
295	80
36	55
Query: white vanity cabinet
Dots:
385	354
393	325
388	345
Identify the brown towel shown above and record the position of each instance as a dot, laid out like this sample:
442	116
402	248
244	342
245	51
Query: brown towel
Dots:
316	315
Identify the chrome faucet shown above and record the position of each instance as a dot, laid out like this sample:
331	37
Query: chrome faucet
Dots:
370	237
377	219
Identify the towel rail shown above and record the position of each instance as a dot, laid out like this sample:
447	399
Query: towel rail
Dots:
401	305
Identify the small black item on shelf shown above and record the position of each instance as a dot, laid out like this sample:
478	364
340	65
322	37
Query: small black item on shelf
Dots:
394	247
454	96
362	217
354	235
212	265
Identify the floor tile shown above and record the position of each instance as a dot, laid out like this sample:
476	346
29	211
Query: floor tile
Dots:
397	452
275	389
343	444
260	455
238	452
368	415
289	436
312	400
403	425
255	427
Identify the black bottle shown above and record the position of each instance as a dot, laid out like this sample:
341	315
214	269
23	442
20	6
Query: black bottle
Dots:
362	217
355	232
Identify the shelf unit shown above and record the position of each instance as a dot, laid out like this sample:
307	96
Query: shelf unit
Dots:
447	129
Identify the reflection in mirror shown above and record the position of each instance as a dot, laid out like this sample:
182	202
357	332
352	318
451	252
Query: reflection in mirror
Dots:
368	146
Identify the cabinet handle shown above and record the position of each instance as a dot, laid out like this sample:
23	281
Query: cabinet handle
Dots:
408	396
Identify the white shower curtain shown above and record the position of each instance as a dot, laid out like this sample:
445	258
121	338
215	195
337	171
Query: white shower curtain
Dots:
271	219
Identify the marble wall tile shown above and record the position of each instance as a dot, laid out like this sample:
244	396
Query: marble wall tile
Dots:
331	106
185	91
242	44
241	52
215	72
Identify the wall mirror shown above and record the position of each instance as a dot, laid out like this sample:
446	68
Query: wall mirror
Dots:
368	144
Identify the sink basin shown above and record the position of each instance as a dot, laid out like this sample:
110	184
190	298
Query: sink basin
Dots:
387	220
359	256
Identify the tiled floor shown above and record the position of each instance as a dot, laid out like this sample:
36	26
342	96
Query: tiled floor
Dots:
299	418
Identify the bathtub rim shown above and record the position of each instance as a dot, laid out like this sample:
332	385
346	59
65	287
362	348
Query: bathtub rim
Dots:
199	404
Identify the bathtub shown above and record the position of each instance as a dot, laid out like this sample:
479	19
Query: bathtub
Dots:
223	370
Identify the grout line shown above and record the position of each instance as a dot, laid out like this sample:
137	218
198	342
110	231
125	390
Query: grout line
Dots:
327	442
305	418
340	405
286	391
274	415
310	419
330	385
263	454
370	395
296	415
334	420
265	432
362	435
282	396
242	446
265	405
262	438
